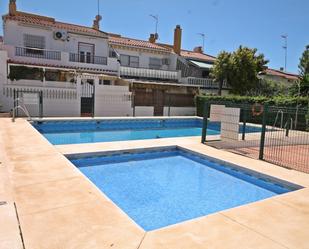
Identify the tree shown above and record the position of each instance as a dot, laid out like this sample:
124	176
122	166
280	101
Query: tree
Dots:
304	72
246	65
221	69
240	69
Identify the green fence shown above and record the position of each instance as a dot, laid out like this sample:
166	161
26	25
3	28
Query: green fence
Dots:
277	134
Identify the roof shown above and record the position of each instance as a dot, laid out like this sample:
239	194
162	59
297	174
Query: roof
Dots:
124	41
58	66
51	22
201	64
197	56
288	76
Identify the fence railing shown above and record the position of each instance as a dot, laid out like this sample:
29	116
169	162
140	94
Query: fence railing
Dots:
38	53
89	59
148	73
48	92
203	82
279	135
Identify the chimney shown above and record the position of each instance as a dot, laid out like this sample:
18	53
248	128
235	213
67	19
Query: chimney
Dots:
198	49
12	8
177	39
281	69
96	22
152	38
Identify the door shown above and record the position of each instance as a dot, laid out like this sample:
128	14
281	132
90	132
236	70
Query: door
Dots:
158	96
86	52
87	98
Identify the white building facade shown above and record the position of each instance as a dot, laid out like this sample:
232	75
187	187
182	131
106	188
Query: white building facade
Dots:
82	71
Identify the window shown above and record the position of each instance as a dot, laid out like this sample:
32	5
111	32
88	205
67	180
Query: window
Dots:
129	61
155	63
134	61
36	42
105	82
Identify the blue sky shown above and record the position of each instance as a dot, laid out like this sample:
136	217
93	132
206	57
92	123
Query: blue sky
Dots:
226	23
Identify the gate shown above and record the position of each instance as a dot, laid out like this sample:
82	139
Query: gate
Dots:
87	98
278	135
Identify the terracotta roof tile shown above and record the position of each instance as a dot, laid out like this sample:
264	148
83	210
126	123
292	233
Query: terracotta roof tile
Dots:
51	22
289	76
197	56
118	40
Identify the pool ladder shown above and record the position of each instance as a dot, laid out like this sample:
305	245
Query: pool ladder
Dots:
21	107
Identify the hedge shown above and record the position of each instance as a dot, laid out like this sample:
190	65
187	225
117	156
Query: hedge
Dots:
279	101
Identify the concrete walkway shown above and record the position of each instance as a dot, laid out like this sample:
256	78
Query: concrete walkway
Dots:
58	207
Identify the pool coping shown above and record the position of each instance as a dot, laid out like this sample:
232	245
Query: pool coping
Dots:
236	222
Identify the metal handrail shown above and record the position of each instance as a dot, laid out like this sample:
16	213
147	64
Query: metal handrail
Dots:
23	108
89	59
38	53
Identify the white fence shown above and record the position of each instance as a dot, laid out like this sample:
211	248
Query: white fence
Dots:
148	73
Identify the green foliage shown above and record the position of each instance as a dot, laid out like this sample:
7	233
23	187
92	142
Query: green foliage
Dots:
222	69
304	74
269	88
240	69
27	73
282	101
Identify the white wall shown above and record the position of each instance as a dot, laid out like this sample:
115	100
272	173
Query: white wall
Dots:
3	76
112	101
144	111
13	35
180	111
145	56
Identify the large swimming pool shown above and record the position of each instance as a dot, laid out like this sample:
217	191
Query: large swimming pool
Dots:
157	188
76	132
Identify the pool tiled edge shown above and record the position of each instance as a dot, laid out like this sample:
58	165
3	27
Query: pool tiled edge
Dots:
40	173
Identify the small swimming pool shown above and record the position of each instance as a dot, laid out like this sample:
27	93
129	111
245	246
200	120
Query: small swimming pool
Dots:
77	132
157	188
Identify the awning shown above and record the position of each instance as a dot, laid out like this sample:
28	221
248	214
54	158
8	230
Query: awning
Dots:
201	64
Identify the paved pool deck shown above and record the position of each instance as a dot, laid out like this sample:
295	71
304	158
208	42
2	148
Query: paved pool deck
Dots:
46	203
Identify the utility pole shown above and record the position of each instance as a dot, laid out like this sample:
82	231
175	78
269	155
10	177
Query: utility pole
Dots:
285	47
156	18
203	40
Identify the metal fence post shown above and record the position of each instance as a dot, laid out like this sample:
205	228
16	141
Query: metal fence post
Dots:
205	122
244	116
41	104
263	132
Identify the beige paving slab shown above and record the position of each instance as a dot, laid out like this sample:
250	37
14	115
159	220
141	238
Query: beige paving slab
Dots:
9	230
54	194
41	169
281	223
95	224
212	232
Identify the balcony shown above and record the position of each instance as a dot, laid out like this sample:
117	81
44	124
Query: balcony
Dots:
38	53
89	59
203	83
148	73
62	59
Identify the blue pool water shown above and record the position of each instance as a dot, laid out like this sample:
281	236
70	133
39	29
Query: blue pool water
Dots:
76	132
161	188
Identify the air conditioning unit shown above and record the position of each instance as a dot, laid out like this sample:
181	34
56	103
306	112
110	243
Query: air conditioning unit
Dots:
61	35
165	61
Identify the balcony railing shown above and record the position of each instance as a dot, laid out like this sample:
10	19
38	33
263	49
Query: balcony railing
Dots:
38	53
203	82
148	73
90	59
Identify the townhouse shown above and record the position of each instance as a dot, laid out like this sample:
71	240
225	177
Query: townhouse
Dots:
83	71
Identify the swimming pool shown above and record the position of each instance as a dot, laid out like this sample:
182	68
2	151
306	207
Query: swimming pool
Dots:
161	187
76	132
